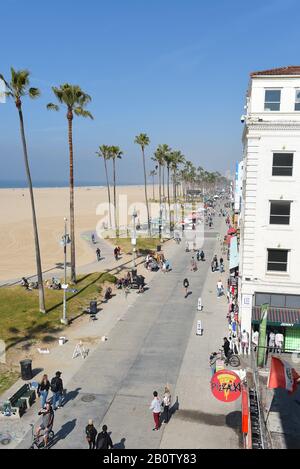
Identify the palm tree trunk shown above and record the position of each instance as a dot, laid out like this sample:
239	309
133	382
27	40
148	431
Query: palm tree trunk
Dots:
146	195
108	192
153	188
163	180
72	217
34	221
168	188
115	199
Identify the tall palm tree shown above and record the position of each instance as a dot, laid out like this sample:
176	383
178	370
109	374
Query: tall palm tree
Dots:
177	159
75	100
143	140
18	87
152	174
104	152
168	158
115	153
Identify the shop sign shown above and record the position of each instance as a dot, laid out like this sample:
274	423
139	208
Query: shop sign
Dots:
226	386
285	324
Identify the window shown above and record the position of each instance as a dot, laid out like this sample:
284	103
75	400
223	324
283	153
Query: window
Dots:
277	301
280	212
282	164
272	100
297	100
277	260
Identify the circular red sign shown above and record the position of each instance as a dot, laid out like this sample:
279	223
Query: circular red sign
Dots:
226	386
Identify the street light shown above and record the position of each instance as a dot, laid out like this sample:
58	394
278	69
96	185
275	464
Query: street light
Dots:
65	241
133	238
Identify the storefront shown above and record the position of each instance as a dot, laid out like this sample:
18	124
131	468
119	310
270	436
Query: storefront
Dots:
282	320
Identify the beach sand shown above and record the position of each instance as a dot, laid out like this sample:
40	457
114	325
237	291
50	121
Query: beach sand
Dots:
17	253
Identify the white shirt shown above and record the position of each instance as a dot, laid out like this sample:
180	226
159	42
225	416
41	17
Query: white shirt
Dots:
278	339
220	285
167	399
244	337
255	337
156	405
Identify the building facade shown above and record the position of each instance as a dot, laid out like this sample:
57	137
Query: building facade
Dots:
269	221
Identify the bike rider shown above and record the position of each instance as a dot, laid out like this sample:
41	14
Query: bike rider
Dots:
47	422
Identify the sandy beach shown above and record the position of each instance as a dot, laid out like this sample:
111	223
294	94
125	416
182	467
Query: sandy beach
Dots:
17	254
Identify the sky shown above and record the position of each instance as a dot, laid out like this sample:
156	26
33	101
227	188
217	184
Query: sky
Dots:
177	70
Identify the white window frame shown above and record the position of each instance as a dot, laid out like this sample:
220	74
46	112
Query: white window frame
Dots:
287	216
297	100
278	272
276	102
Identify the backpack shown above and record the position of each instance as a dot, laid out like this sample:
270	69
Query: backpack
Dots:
54	385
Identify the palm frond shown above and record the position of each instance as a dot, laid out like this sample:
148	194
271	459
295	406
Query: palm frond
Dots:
52	107
34	93
79	111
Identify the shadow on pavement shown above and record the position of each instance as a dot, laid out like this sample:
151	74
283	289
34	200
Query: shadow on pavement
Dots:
120	445
65	431
70	396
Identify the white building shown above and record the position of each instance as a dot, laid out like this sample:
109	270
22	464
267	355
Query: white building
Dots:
270	218
238	190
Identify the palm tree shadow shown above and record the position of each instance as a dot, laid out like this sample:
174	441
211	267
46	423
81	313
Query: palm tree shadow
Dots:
120	445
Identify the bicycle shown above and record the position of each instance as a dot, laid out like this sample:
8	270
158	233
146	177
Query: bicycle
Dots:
232	359
38	441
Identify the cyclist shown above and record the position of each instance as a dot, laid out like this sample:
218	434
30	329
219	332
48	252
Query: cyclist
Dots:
47	422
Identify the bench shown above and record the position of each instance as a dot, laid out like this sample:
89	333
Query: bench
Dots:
20	401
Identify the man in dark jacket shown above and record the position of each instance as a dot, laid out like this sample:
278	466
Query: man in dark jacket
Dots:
103	439
57	389
91	434
226	347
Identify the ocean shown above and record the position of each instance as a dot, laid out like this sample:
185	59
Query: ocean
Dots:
47	184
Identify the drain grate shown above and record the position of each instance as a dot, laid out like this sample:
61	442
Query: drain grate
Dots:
88	398
5	440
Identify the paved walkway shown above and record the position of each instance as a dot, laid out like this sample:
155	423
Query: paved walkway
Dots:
151	342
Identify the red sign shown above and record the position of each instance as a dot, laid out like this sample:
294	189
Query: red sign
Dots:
226	386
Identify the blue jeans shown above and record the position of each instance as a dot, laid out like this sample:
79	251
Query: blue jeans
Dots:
43	398
56	398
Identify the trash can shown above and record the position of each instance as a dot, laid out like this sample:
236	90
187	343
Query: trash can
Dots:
158	248
93	307
26	370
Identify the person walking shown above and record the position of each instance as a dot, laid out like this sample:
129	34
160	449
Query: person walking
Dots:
91	433
272	342
186	285
93	238
156	410
166	404
255	337
222	265
116	253
43	390
279	342
226	347
57	390
104	439
245	342
98	254
202	255
220	288
193	265
46	424
213	362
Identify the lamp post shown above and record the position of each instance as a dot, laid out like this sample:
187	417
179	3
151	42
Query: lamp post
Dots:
133	238
65	241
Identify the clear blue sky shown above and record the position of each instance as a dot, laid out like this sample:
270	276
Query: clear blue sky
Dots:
175	69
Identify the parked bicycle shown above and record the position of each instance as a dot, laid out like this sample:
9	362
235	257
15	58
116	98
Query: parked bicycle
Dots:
38	440
231	360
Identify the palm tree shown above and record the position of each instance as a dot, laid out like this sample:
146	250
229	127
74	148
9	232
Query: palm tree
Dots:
143	140
75	101
168	161
104	152
152	174
17	88
115	153
177	159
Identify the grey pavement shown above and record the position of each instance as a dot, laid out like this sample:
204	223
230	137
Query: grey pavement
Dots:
151	343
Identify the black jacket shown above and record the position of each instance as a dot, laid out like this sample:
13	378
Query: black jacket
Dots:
103	441
43	386
57	384
91	432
